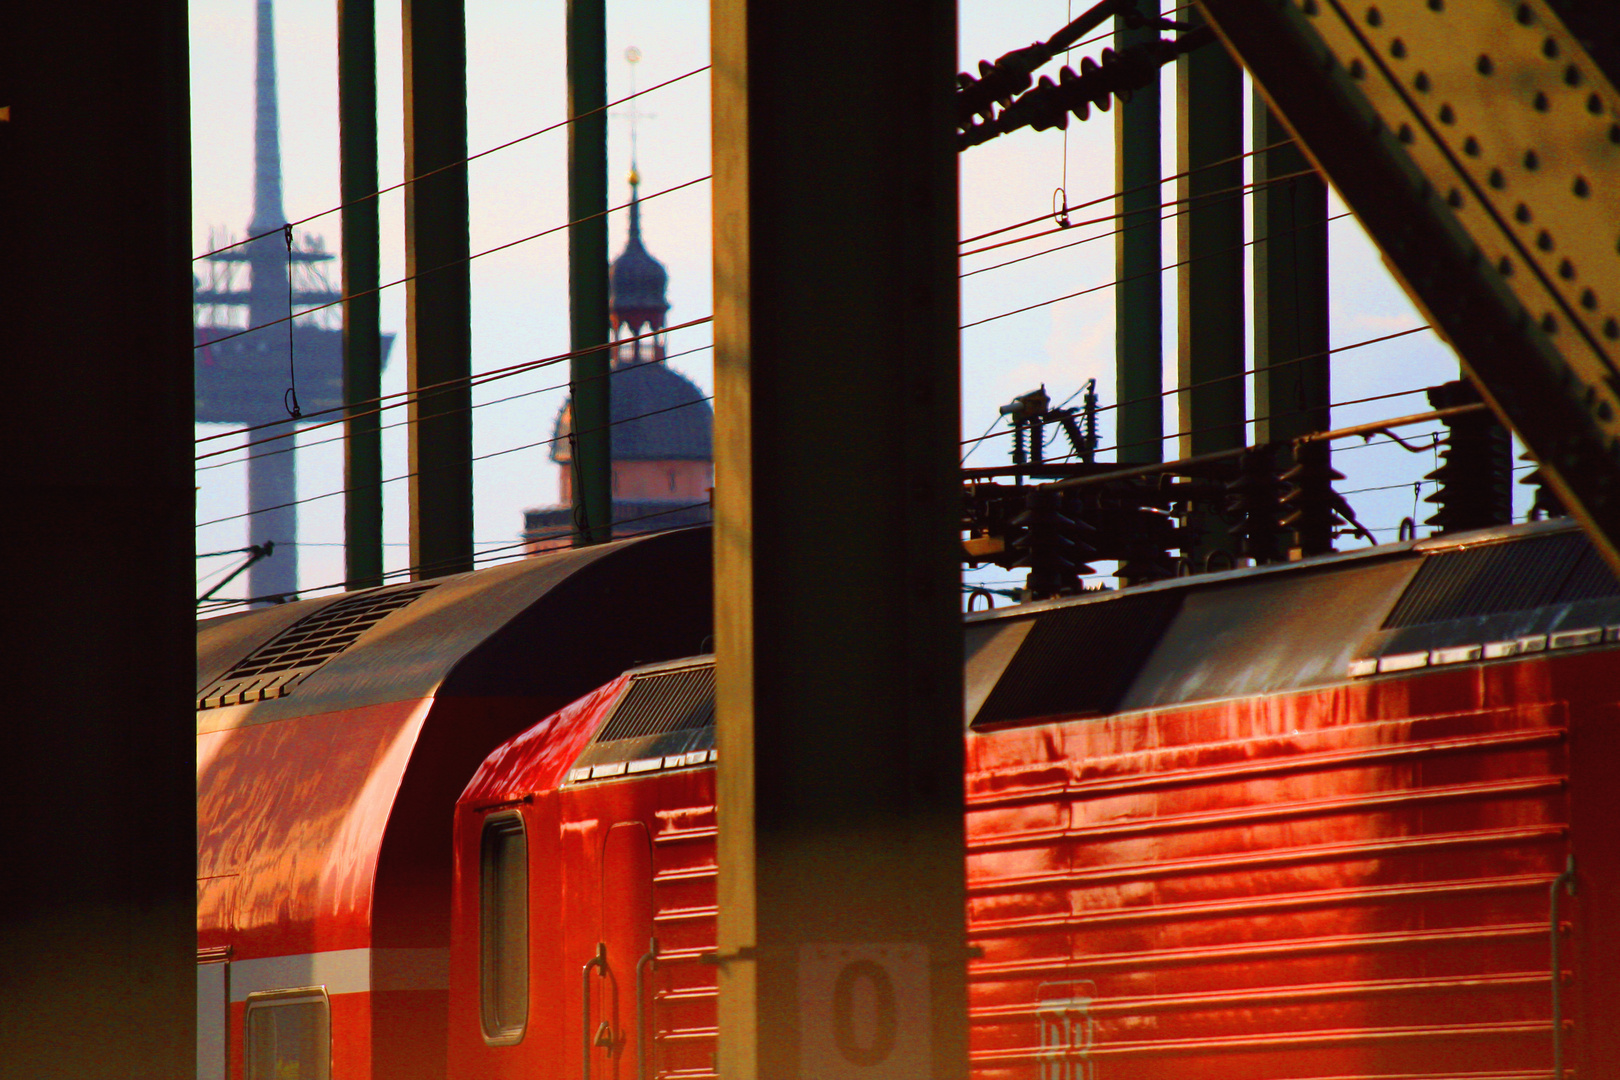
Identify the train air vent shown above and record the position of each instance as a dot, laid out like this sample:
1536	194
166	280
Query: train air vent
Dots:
1497	578
664	720
271	670
663	703
1079	661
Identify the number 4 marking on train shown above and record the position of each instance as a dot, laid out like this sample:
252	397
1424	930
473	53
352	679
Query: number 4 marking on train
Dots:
863	1012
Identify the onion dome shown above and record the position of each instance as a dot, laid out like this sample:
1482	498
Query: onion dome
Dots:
638	281
658	415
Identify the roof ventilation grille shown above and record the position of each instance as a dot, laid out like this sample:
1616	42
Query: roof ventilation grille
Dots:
662	704
1497	578
271	670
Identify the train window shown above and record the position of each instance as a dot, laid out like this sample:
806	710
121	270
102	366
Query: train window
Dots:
504	928
289	1035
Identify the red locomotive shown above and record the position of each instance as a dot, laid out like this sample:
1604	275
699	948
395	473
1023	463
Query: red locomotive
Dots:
1337	818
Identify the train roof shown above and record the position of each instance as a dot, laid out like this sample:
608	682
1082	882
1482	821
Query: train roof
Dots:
1481	596
333	735
472	633
1485	595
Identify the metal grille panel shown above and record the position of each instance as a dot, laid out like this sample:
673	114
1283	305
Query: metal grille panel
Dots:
663	703
1497	578
272	669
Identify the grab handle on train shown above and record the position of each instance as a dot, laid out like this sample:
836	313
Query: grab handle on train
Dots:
1562	884
643	1045
599	961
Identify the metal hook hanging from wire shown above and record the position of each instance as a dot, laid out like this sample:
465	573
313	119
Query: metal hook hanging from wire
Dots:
289	400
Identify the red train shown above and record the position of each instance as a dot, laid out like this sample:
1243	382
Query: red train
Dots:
1338	818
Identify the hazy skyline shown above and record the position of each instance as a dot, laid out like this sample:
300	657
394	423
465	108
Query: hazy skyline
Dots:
515	86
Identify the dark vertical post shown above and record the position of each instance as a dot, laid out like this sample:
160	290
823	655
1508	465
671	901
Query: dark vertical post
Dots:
1139	296
1291	384
97	782
439	294
1290	287
839	664
1209	249
362	313
588	272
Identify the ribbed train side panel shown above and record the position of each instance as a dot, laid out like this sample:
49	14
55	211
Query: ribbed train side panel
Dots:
1347	883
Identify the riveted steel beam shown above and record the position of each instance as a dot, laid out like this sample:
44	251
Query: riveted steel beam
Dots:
1479	145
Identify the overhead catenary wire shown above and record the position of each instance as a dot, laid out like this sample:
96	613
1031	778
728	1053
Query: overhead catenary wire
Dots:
1198	201
477	379
445	266
489	555
1110	284
452	165
1118	194
458	464
1127	228
1234	375
406	423
1257	419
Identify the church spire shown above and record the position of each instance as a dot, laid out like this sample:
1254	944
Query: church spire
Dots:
267	210
635	209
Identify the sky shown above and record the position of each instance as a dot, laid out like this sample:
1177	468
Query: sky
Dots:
519	296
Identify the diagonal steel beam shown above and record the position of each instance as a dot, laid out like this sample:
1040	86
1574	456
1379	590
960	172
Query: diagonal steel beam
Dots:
1478	143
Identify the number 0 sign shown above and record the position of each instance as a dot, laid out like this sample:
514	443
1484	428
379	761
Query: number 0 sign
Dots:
863	1012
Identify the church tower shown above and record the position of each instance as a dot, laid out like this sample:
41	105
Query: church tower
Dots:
663	428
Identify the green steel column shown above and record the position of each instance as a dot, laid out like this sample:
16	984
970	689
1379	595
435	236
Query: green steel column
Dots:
1209	251
1209	247
1290	288
1138	255
362	314
837	597
438	295
1291	381
588	379
98	910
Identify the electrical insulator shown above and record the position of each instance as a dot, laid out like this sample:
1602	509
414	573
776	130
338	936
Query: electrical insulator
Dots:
1010	74
1546	504
1256	496
1052	550
1475	489
1145	547
1310	501
1049	104
997	83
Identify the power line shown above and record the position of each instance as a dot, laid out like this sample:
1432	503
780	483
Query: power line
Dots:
452	165
445	266
475	458
1235	375
1111	284
1127	191
477	379
1192	202
407	422
1268	416
1124	229
486	556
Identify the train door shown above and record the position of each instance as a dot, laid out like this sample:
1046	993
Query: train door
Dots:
620	1043
213	1012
